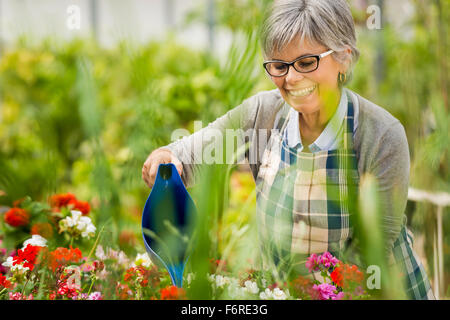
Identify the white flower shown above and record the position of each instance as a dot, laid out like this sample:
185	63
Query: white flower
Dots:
8	262
143	259
251	286
77	224
279	294
266	294
35	240
221	281
211	277
123	259
19	268
100	253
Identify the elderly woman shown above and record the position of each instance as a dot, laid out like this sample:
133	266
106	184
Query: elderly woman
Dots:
308	136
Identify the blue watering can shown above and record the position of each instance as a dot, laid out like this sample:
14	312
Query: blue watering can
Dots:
168	221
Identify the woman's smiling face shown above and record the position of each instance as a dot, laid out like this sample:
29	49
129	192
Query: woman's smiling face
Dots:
308	92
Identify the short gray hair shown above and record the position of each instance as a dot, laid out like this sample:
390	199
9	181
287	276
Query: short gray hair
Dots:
327	22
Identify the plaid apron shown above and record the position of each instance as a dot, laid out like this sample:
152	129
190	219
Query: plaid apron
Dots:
302	207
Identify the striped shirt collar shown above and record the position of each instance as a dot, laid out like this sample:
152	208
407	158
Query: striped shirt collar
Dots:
328	137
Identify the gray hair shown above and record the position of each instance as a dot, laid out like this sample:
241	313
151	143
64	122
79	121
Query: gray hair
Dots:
327	22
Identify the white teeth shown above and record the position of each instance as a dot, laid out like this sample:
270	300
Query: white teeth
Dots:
303	92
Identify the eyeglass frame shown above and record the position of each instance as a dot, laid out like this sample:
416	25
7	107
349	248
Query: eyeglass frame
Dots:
289	64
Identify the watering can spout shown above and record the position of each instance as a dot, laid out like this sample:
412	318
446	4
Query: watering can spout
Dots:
176	274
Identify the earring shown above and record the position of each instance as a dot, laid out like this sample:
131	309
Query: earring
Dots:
342	77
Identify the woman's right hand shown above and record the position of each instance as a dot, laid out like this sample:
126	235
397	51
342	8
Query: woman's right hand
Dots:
158	156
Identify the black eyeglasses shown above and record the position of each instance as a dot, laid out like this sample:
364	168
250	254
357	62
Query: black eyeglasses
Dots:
304	64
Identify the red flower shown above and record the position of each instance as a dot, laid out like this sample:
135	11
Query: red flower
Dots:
68	200
4	283
82	206
98	265
137	275
27	256
61	200
345	275
43	229
65	290
172	293
337	277
17	217
63	256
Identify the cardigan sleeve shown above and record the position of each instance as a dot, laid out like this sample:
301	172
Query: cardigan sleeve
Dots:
196	149
391	165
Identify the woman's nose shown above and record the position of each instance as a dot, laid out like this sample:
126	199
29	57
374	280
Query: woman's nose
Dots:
293	76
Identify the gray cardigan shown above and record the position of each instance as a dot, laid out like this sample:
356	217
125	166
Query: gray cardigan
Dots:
379	141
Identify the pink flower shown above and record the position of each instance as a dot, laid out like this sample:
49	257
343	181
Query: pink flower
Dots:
87	267
312	263
339	296
326	291
95	296
19	296
328	260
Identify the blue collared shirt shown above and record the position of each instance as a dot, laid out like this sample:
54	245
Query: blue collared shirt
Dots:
331	137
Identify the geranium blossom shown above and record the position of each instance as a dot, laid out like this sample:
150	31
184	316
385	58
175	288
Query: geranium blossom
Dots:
266	294
35	240
279	294
16	268
312	263
20	296
136	276
95	296
63	256
327	260
68	291
82	206
27	257
17	217
77	225
172	293
344	275
275	294
69	201
221	281
142	259
327	291
251	286
62	200
119	256
5	283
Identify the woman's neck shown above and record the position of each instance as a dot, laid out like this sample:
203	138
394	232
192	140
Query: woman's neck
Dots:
317	121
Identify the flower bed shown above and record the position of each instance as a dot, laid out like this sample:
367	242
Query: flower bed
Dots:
51	265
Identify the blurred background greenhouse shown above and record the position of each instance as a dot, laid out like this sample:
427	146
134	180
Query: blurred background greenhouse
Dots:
88	88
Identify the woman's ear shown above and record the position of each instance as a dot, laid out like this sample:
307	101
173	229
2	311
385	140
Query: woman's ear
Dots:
348	59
